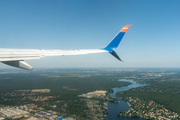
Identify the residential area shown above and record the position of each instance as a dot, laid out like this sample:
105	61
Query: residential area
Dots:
148	109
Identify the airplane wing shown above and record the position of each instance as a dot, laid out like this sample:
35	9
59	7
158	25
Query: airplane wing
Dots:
16	57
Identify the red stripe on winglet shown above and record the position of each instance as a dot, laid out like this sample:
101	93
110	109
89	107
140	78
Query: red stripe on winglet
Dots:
125	28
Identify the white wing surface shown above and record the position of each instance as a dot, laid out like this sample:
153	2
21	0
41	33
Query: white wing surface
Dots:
16	57
24	54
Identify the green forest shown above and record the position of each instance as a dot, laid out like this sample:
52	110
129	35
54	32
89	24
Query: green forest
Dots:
66	84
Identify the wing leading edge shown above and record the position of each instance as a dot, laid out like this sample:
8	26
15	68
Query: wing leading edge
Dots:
16	57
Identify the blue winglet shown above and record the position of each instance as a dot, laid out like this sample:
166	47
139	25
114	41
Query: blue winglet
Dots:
115	55
115	42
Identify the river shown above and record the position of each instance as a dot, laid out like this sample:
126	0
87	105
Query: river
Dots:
114	108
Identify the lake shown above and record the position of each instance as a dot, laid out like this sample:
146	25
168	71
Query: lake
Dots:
114	108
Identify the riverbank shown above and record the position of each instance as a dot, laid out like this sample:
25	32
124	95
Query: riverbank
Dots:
162	91
121	105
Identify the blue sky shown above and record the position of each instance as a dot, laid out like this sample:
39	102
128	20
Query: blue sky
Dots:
153	40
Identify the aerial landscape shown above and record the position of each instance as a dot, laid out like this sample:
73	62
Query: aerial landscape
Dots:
85	93
48	69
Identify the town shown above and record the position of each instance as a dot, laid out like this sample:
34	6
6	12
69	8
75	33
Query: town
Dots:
35	112
28	112
148	109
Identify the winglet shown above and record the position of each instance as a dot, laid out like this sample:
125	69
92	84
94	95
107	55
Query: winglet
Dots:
115	42
115	55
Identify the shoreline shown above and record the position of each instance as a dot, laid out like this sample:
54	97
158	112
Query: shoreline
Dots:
121	89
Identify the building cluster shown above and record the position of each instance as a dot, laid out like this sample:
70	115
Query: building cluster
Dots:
17	94
97	93
95	109
28	107
23	111
44	115
37	98
25	92
154	74
13	112
148	109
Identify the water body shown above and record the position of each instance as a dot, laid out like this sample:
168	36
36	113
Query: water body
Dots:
114	108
